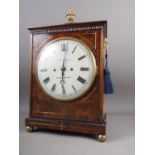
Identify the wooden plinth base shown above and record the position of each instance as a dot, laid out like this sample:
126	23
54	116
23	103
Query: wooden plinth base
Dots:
96	128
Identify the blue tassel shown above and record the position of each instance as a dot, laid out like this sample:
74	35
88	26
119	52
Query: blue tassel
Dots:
108	87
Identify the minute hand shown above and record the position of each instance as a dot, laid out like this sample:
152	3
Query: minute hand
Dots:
63	67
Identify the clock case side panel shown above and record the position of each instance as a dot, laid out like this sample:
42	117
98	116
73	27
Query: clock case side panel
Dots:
103	35
30	73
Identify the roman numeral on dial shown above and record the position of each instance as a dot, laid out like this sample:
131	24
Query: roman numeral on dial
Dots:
46	80
74	88
82	57
80	79
43	70
84	69
53	87
64	47
74	49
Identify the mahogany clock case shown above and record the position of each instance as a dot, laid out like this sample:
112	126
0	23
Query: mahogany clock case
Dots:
84	114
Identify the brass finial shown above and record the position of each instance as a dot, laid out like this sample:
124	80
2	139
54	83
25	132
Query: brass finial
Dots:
70	15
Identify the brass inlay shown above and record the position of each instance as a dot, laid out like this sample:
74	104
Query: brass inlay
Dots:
95	37
45	112
46	40
69	29
33	123
88	95
62	126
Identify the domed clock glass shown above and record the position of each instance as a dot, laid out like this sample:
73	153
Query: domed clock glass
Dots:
66	68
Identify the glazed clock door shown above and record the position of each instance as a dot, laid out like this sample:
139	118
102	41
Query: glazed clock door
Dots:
66	68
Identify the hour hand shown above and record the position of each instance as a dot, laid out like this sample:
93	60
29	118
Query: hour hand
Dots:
63	65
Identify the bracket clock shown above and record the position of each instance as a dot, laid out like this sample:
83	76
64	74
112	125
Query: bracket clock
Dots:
66	79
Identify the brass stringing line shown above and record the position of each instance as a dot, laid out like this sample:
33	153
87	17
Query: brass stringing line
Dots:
95	37
55	125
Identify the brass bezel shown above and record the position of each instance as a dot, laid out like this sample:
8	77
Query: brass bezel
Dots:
50	41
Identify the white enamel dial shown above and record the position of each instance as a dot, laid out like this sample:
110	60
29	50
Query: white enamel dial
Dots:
66	68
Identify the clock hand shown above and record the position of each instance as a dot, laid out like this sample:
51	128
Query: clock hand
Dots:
63	89
62	74
63	66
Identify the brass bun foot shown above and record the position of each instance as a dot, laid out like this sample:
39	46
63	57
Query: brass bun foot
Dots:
101	138
29	129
